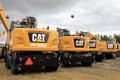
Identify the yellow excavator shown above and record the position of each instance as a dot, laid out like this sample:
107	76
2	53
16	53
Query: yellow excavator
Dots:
109	49
94	46
28	47
74	49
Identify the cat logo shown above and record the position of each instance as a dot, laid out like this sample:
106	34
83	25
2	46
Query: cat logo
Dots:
92	44
79	43
110	46
38	37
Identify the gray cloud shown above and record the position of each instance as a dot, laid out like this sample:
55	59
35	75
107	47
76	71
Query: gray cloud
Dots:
90	15
37	6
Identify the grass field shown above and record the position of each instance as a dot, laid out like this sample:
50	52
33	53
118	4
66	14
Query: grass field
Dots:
106	70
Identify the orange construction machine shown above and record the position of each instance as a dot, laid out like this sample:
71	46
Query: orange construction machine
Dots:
108	48
94	45
29	47
74	49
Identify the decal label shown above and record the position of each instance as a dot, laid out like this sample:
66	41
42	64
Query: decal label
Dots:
79	42
92	44
110	46
38	37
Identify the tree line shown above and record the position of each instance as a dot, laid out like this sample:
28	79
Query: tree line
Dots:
108	38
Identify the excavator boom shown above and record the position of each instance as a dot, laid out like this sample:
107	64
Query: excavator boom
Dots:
4	22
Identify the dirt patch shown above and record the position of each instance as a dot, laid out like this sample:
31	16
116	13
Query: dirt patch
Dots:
106	70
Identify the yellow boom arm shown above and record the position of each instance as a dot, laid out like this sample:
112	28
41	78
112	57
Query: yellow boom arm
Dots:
5	22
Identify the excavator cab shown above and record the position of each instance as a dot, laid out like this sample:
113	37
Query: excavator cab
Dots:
63	32
17	24
28	22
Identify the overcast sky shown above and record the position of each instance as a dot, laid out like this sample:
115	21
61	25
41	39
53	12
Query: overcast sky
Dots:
96	16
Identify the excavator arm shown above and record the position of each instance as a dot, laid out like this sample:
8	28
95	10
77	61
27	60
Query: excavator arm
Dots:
90	35
86	34
5	23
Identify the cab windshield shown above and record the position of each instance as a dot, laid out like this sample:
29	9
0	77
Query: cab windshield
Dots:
63	32
16	24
